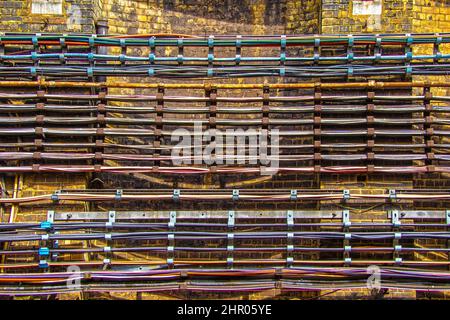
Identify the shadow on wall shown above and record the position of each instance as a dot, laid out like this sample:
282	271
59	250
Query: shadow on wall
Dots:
213	16
236	11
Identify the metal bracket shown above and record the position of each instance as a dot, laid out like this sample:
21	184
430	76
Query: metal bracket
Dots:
176	194
289	261
51	216
172	219
118	195
230	261
44	252
289	249
290	236
392	194
55	196
230	250
46	225
345	195
231	219
235	196
55	246
170	250
290	219
395	216
293	196
43	264
111	219
346	218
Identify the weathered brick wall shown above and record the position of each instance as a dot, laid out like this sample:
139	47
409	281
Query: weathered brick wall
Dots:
338	16
431	16
77	16
212	16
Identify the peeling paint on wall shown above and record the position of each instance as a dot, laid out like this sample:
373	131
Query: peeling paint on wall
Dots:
74	16
46	7
367	7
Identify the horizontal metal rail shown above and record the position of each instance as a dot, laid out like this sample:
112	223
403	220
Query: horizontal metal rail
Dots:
239	214
45	84
230	195
262	170
221	40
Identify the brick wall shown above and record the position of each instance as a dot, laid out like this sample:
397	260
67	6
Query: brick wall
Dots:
212	16
338	17
77	16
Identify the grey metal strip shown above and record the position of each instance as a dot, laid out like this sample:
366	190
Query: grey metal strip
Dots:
204	214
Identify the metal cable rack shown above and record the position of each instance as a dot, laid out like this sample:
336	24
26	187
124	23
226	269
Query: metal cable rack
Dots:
357	111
